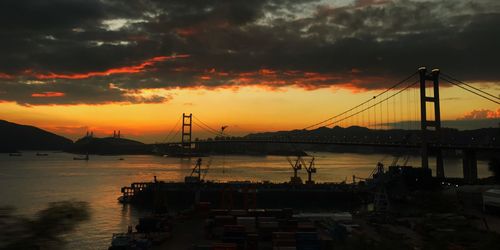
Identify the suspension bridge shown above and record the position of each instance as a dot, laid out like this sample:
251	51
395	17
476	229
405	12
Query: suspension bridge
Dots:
415	99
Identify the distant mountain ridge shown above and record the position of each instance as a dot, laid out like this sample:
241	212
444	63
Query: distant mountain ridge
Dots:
15	137
480	137
109	146
356	135
483	136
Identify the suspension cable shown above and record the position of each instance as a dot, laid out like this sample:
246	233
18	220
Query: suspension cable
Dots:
471	91
369	107
176	134
205	125
359	105
470	86
206	129
213	131
167	138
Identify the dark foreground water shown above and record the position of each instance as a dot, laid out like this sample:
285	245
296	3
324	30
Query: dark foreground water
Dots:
29	182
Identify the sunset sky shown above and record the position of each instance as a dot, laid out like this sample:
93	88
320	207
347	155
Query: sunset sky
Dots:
69	66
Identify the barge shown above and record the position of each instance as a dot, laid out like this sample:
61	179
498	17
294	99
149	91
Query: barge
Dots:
245	194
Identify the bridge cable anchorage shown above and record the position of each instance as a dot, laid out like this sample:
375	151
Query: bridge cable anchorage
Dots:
373	105
361	104
470	86
167	138
471	91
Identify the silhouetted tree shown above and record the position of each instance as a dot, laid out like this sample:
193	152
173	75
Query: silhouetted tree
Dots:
494	167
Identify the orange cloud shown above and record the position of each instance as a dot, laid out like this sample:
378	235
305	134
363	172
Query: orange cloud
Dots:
481	114
122	70
272	79
48	94
267	72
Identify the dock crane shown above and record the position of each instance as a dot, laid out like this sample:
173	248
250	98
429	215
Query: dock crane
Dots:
196	173
377	182
296	166
310	168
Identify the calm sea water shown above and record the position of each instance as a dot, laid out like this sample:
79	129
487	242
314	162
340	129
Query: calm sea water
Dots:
29	182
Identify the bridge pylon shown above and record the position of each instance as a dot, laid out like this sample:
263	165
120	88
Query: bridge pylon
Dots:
430	126
187	126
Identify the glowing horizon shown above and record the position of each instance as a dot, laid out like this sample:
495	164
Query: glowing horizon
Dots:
246	110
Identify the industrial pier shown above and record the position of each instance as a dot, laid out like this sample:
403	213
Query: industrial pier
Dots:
246	194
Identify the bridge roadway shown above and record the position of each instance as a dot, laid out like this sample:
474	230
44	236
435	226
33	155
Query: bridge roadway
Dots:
351	143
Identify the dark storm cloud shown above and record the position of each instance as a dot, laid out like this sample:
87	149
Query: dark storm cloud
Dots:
72	93
365	44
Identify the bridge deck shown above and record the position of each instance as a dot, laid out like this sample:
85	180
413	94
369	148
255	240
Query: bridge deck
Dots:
350	143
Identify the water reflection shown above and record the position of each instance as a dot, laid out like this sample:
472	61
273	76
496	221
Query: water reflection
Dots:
30	182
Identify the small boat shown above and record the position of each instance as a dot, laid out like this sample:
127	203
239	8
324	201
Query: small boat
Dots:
121	159
124	199
41	154
15	154
86	158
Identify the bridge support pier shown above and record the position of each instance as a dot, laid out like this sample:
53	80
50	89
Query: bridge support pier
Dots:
469	160
186	133
434	123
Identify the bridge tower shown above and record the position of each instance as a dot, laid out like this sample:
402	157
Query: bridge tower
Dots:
186	132
431	129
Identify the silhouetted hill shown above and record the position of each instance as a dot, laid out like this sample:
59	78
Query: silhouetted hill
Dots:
15	137
109	146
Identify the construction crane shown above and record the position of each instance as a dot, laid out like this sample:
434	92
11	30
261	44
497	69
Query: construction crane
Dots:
196	173
223	155
310	168
222	129
296	166
205	171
